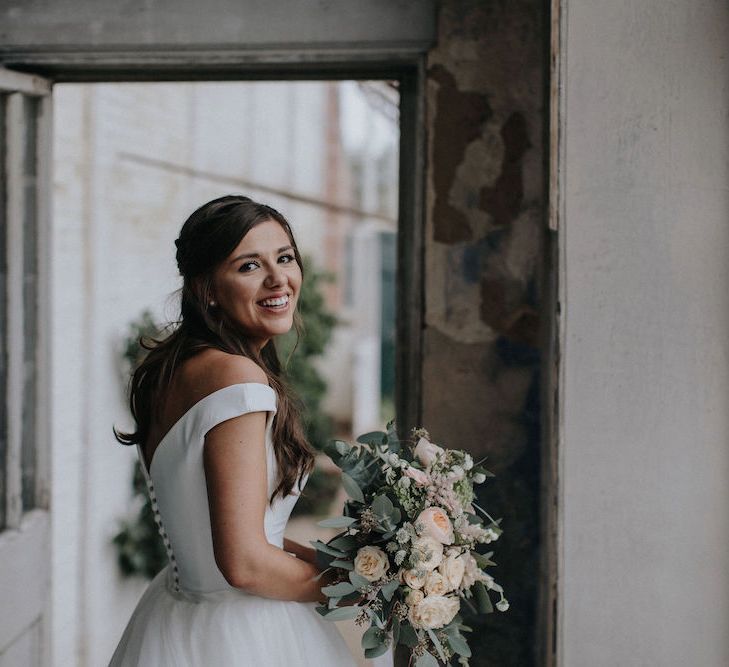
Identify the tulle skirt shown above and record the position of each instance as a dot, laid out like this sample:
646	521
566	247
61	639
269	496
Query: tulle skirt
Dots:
224	629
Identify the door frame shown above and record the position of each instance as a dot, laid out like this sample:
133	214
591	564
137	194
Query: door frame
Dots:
406	66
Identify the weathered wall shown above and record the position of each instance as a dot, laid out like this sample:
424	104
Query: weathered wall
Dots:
483	248
645	268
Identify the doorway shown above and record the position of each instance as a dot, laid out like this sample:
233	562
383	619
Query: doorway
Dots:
131	161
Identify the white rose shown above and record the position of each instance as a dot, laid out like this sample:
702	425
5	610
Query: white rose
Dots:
426	451
371	563
479	478
452	569
434	611
435	522
414	596
435	584
429	552
414	578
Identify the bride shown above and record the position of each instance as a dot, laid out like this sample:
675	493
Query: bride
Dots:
224	455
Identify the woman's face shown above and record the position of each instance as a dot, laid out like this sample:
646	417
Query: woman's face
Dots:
262	267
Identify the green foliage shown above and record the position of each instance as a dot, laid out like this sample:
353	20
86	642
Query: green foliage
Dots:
140	550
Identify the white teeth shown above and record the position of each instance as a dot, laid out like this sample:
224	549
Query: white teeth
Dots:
280	301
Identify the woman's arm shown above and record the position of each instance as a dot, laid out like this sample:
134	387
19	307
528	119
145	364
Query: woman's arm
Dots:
307	554
234	458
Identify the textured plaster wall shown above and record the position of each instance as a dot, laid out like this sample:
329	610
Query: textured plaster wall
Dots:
645	247
483	249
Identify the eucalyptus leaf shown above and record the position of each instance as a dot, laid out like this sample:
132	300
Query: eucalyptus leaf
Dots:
342	447
382	506
320	546
377	650
388	590
482	560
344	543
373	438
371	638
344	564
337	590
343	614
459	645
395	630
437	644
482	598
408	636
426	660
356	596
337	522
358	581
375	618
351	487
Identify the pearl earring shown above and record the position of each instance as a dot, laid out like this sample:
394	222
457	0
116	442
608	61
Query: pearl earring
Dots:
213	304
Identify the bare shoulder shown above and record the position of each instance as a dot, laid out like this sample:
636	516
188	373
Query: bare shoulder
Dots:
213	369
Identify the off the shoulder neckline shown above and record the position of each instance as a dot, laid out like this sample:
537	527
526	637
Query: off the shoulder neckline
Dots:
194	407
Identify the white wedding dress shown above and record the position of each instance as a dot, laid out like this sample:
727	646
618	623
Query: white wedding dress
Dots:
189	616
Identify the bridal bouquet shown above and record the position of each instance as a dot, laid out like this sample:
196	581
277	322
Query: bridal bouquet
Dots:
406	560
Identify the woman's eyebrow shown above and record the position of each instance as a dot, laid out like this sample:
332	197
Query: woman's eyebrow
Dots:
255	254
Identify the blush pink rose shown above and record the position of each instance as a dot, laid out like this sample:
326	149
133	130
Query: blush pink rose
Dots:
426	451
436	523
418	476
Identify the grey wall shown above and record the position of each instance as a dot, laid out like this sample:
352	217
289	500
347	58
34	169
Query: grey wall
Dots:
39	26
645	273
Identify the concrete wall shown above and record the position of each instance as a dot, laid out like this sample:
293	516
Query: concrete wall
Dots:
645	271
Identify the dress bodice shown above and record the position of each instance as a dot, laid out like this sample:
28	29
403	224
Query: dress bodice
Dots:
177	487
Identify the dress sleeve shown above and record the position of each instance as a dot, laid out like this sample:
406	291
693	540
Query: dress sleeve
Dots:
235	400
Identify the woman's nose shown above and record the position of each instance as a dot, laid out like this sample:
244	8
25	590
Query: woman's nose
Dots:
276	275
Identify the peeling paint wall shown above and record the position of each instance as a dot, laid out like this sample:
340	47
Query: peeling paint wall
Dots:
484	243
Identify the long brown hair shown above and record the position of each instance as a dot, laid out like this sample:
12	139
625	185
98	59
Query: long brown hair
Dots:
207	238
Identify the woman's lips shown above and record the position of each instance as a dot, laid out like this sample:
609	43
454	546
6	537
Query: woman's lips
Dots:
278	308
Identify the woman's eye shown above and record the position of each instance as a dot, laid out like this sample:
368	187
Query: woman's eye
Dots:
243	266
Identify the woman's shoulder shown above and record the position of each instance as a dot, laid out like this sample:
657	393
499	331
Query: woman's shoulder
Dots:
213	369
